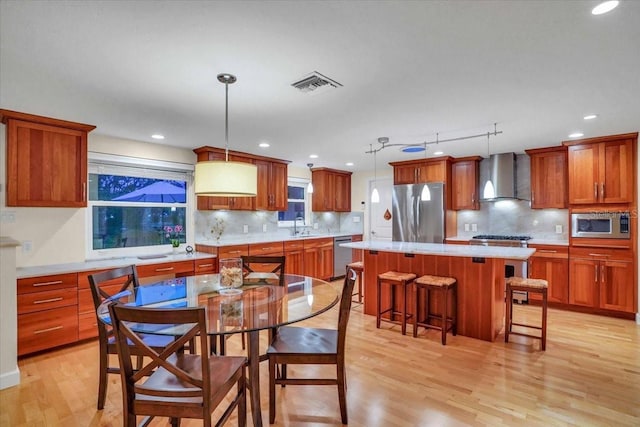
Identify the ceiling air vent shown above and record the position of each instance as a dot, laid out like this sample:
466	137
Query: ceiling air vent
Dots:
315	83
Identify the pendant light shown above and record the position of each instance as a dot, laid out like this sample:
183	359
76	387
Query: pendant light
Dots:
222	177
489	191
310	186
375	196
425	195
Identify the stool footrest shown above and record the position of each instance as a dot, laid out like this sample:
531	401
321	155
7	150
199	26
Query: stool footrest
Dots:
526	326
522	334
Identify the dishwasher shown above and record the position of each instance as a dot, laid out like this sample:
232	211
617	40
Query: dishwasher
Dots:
341	256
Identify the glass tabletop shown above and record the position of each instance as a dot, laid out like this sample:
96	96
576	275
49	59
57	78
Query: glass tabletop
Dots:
262	304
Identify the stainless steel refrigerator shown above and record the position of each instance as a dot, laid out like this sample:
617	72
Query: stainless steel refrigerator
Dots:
416	220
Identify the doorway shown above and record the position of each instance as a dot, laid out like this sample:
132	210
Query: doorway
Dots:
379	227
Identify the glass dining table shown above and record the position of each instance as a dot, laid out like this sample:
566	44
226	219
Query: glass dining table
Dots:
262	304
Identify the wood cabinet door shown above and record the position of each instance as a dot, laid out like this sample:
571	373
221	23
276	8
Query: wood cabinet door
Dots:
556	272
294	263
549	179
263	195
617	286
583	288
583	174
279	186
433	172
311	261
342	193
464	183
405	174
616	177
325	269
46	165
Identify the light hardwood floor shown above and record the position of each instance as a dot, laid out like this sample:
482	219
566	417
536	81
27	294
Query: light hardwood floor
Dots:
589	375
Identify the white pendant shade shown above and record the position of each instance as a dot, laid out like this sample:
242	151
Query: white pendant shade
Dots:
375	196
310	188
226	179
489	191
425	196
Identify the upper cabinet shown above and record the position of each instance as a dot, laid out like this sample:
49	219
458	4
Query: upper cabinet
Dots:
272	182
601	170
331	190
464	183
46	161
272	185
548	177
420	171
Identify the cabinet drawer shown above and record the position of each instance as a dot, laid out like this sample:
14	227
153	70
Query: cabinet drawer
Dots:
179	267
208	265
318	243
87	325
602	254
293	245
38	301
47	329
550	251
234	251
272	248
47	283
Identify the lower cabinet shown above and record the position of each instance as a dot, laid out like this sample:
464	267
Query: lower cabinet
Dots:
602	278
318	258
294	253
551	263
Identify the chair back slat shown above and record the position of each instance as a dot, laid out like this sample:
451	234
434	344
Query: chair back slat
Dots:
277	261
345	309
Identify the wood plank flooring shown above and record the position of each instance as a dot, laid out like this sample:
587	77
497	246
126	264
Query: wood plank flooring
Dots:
589	376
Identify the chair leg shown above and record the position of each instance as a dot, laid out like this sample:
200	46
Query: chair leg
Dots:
378	304
359	287
404	308
544	320
416	293
454	316
242	404
272	391
445	306
341	375
102	380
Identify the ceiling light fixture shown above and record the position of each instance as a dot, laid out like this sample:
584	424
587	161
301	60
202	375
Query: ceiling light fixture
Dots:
310	187
576	135
590	116
157	136
604	7
349	164
222	177
313	156
438	153
264	145
489	191
375	196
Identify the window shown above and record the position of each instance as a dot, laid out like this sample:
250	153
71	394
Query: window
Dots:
297	206
135	209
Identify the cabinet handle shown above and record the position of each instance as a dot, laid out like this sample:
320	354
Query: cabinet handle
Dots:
533	199
473	198
204	265
595	190
546	251
54	282
604	255
44	301
164	269
603	276
602	191
84	191
42	331
234	252
596	267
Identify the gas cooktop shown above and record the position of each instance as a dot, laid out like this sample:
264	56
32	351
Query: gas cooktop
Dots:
500	237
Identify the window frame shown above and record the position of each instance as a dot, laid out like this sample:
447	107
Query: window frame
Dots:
304	183
101	163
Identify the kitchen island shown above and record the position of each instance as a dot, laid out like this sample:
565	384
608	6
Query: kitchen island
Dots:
479	271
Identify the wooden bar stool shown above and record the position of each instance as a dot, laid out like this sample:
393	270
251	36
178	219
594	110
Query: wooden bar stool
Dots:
527	285
393	279
358	267
442	285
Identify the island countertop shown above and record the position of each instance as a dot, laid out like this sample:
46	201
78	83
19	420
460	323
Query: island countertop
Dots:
444	249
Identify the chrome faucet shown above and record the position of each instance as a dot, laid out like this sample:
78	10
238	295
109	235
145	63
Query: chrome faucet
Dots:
295	224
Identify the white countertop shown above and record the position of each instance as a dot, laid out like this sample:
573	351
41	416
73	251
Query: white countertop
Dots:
533	241
44	270
266	238
444	249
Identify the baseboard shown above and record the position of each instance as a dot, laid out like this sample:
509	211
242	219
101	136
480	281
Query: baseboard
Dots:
9	379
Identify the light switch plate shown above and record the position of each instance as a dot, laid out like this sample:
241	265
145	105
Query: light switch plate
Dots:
264	228
466	227
474	227
356	219
559	229
245	228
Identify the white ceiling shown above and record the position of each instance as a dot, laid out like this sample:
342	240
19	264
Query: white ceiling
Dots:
410	70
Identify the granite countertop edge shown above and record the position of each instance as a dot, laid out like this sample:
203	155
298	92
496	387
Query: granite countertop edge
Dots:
247	239
465	251
533	241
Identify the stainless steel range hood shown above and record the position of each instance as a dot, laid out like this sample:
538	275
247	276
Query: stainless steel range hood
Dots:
502	173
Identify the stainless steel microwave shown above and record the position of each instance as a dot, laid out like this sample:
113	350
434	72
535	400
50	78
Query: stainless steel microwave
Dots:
601	225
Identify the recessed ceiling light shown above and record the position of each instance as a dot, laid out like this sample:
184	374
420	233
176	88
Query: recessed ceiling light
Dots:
313	156
349	164
604	7
590	116
157	136
437	153
264	145
576	135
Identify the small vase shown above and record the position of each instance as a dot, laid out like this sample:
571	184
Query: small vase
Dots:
176	250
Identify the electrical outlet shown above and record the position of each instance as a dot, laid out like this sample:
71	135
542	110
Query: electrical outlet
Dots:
315	225
8	216
356	219
466	227
474	227
264	228
245	228
559	229
27	246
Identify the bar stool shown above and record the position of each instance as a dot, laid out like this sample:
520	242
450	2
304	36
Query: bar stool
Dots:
528	285
393	279
358	267
442	285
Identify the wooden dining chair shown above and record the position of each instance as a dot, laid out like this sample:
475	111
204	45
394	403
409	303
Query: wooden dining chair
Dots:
312	346
173	383
258	270
105	285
